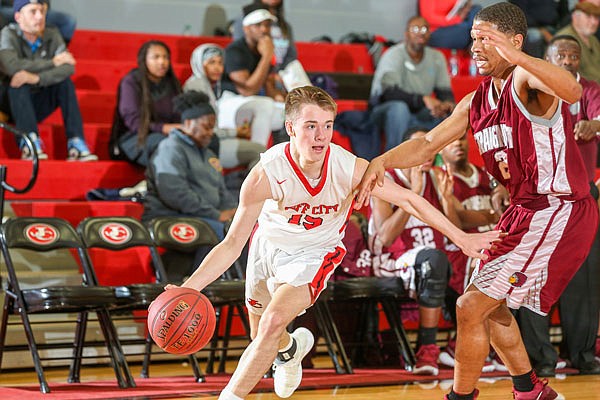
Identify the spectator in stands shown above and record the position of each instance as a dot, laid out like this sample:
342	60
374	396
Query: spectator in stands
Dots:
281	33
236	113
144	114
584	24
411	86
65	23
37	68
450	22
184	175
579	304
405	247
248	69
543	20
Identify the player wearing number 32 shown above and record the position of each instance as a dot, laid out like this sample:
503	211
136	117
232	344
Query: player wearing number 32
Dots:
301	193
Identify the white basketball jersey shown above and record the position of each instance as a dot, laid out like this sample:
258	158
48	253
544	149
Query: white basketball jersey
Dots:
302	216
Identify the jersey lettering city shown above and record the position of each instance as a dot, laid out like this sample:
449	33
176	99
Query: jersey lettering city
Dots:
314	212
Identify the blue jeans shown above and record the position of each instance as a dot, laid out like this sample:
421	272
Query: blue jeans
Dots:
455	36
32	104
217	226
395	119
64	22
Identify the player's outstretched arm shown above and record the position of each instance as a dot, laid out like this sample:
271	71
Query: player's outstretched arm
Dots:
470	243
415	151
255	190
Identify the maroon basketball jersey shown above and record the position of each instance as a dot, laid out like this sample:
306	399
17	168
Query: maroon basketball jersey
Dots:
532	156
416	232
587	109
474	192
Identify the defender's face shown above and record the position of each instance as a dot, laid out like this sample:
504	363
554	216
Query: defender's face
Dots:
487	58
311	132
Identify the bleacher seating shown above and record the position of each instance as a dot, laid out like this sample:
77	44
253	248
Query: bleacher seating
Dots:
103	58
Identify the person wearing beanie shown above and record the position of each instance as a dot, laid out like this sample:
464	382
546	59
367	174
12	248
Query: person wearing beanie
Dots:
65	23
36	68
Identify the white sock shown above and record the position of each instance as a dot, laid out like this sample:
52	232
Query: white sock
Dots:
227	395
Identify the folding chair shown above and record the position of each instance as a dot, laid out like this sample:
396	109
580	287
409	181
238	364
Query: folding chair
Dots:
114	235
186	235
34	235
371	292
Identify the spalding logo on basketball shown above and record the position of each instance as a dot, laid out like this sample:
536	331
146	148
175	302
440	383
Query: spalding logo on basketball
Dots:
41	233
181	320
183	233
115	233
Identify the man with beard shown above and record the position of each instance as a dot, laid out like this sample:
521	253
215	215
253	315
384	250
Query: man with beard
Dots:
411	86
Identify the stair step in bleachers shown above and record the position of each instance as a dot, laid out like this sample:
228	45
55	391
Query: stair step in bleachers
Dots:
63	180
123	46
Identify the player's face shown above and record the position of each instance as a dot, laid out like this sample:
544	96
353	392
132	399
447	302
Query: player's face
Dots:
200	130
32	19
456	151
311	132
565	54
157	62
213	68
487	58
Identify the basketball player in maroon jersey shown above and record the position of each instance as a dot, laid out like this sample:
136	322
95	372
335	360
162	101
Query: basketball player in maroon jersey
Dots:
580	302
521	122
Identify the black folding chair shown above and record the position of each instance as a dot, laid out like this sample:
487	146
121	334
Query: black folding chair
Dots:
369	293
115	234
227	294
35	235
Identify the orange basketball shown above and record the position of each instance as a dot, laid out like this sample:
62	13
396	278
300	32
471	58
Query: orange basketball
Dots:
181	320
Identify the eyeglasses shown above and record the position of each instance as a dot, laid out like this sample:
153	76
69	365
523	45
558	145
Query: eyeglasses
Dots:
418	29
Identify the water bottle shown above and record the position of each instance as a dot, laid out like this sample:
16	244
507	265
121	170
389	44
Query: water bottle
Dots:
473	67
453	63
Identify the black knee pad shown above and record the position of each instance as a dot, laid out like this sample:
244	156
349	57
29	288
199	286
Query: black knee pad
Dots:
432	271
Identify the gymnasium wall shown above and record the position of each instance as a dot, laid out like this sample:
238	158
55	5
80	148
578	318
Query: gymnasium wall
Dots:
309	18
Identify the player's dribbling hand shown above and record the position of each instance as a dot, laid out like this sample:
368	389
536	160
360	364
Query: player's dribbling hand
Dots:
476	242
373	175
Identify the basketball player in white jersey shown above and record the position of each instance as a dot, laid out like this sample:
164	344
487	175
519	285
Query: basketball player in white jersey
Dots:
522	125
301	193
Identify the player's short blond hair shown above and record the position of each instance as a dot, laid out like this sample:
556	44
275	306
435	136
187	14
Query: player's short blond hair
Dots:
300	96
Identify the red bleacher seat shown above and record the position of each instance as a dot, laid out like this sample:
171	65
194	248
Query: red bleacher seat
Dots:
62	180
